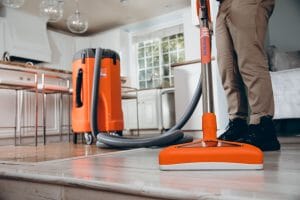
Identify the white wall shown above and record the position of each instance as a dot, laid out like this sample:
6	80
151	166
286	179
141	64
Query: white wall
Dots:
145	27
125	52
82	43
114	39
191	36
2	37
284	25
64	46
62	50
109	39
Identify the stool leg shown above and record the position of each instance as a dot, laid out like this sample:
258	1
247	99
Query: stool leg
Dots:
36	116
60	115
21	119
16	118
44	115
69	118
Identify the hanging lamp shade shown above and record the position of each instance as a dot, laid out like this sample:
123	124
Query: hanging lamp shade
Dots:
77	23
13	3
52	9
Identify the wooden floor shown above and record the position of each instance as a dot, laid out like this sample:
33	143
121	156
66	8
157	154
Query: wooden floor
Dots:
134	174
55	151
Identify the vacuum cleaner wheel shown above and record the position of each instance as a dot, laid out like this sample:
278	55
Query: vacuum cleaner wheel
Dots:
88	138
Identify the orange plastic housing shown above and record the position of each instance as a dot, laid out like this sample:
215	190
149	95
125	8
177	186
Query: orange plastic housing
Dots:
110	116
210	153
215	154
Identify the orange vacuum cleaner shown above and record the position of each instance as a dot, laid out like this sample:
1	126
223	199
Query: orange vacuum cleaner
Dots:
110	116
209	153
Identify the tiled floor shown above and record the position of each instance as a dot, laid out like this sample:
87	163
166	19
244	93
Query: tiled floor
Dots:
136	172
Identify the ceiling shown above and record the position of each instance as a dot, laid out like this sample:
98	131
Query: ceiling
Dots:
106	14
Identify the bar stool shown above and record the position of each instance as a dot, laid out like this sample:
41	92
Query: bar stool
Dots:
7	82
46	88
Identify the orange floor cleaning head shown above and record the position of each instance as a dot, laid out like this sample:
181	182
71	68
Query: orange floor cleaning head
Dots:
211	155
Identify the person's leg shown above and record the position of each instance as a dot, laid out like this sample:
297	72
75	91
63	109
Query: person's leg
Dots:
248	24
231	78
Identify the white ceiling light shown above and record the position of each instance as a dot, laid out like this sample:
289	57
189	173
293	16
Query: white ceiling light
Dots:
52	9
13	3
76	22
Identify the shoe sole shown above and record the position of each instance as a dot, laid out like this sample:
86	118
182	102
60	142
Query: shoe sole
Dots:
274	146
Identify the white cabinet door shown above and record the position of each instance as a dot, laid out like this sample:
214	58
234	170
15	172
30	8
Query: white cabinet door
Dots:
149	110
150	107
130	114
167	108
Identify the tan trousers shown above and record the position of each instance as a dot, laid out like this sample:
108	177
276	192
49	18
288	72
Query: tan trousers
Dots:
240	35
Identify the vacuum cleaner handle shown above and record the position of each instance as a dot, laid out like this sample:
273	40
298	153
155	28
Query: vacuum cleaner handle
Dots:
79	88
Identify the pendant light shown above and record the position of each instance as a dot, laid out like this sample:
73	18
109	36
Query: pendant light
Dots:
13	3
52	9
76	22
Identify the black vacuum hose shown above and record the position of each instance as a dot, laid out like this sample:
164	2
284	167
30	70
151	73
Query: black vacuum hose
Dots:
172	136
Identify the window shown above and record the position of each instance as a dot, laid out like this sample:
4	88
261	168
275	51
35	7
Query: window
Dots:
154	59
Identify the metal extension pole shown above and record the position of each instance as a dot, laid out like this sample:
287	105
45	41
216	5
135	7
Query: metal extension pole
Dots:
205	38
207	88
69	111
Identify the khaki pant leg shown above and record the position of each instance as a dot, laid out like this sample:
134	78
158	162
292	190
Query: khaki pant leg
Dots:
227	62
248	25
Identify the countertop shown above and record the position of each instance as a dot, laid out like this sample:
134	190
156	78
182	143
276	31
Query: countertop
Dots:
45	69
34	67
189	62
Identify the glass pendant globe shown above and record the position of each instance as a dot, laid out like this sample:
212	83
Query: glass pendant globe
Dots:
52	10
77	23
13	3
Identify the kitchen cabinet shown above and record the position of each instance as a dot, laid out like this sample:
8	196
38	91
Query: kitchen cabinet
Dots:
130	114
154	109
149	110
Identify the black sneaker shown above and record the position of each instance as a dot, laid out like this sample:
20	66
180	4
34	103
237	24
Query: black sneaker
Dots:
235	130
262	135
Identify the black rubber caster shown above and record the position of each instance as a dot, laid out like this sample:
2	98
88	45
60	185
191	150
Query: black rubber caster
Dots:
119	133
74	138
